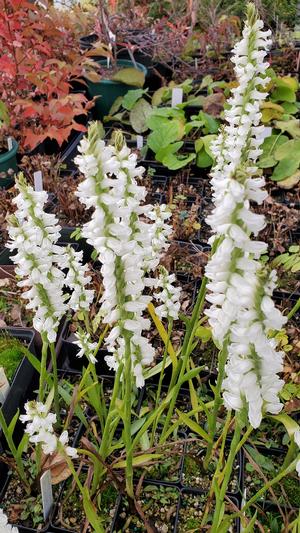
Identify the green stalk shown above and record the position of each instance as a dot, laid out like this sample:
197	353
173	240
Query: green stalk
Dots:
294	309
14	452
186	350
227	473
127	417
212	421
108	434
55	383
43	368
161	376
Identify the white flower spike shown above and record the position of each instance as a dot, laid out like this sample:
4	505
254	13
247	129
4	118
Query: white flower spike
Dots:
242	311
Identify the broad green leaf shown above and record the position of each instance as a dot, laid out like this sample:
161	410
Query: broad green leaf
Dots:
203	333
206	81
139	114
290	182
285	168
263	461
283	94
193	426
207	140
160	95
139	460
198	145
131	97
270	144
290	149
267	115
290	108
166	134
172	148
203	159
130	76
116	105
290	126
287	81
173	162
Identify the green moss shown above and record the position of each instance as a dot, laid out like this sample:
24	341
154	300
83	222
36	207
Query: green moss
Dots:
292	488
10	359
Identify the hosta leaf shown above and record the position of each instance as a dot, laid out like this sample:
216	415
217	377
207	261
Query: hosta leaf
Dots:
132	97
207	140
269	145
267	115
139	114
285	168
130	76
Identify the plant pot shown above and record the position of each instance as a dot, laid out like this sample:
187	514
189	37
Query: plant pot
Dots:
5	479
68	360
109	90
8	166
161	501
25	378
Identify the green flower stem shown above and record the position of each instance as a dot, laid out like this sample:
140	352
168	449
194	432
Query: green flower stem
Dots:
227	473
127	416
55	383
108	433
216	476
9	439
43	368
294	309
212	420
161	376
186	351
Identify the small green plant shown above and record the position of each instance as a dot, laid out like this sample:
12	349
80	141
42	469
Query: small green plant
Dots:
11	353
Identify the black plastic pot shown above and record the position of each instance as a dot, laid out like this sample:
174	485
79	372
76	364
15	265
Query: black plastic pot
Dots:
68	355
25	378
8	166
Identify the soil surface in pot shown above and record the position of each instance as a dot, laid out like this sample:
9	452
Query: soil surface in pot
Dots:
159	505
191	512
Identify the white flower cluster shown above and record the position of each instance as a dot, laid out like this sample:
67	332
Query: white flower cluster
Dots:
33	234
128	237
242	311
5	527
77	279
41	262
40	429
169	296
87	347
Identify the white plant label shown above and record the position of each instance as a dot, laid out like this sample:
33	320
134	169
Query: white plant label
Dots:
4	385
47	494
196	62
139	141
177	96
38	181
9	143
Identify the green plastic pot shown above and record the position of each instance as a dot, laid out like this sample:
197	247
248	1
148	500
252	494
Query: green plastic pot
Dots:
8	166
109	90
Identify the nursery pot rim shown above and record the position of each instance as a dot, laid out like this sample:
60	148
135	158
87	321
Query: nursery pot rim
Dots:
9	153
126	63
